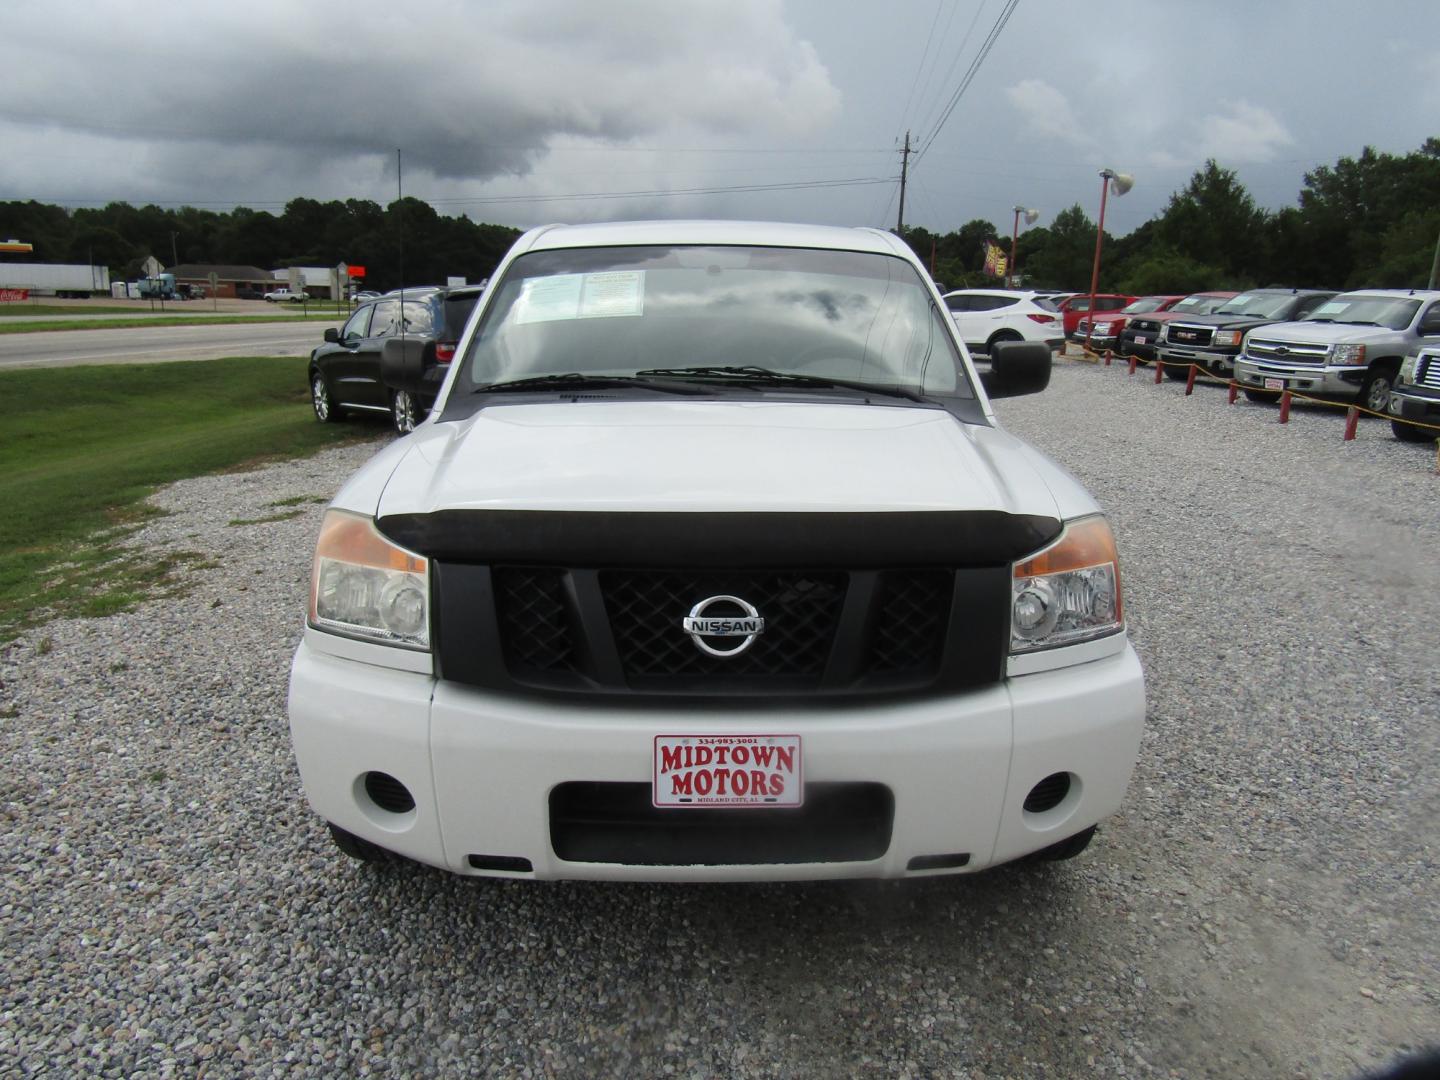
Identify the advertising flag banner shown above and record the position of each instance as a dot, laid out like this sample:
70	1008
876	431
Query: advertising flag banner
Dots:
995	260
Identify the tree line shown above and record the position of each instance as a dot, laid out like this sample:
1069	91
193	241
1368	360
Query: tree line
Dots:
1370	221
1365	221
408	232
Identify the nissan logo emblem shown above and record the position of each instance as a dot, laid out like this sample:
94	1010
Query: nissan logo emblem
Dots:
746	625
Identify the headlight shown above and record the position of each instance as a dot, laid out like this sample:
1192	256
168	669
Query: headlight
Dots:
1069	592
1347	354
1227	337
366	587
1407	368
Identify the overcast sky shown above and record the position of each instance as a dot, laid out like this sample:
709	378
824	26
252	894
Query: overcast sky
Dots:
507	110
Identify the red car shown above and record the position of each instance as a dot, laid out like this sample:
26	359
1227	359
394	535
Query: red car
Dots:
1140	333
1078	306
1108	326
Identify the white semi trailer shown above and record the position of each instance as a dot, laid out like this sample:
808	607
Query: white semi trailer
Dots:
54	279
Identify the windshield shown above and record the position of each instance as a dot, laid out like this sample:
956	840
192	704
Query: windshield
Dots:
1257	305
1144	304
623	311
1367	311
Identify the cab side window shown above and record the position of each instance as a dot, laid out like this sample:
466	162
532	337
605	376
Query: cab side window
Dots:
386	321
357	324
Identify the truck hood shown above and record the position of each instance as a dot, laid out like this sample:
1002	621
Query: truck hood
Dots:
1318	333
720	456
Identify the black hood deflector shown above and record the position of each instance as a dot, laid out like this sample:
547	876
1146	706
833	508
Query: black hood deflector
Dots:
739	540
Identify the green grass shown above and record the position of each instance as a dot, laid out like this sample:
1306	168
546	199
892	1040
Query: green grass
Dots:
84	446
23	308
41	325
284	516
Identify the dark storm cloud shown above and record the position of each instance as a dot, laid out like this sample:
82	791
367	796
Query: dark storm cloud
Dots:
469	90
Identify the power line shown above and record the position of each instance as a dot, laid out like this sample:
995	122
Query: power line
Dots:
925	55
662	192
954	62
969	77
801	185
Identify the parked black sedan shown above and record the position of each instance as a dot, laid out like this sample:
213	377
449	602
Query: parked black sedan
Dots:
345	372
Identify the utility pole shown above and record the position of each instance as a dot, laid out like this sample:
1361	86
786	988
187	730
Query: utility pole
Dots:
1435	263
904	172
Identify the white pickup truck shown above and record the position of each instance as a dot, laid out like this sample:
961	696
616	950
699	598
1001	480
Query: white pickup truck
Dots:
712	563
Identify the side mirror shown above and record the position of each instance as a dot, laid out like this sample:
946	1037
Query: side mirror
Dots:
1016	368
1429	325
404	361
332	335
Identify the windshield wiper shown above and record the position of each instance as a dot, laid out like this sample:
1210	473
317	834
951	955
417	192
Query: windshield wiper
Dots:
1360	322
1319	320
574	380
750	373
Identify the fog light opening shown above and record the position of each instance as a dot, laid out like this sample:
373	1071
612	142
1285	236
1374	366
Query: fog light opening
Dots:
1048	793
388	793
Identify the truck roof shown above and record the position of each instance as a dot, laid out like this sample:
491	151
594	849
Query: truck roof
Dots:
756	233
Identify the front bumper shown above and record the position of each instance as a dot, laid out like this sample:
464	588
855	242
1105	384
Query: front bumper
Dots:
1406	404
1319	379
1216	361
481	766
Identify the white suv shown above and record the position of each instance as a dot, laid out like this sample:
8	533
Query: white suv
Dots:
985	317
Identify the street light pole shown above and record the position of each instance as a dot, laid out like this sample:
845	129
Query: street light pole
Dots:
1030	217
1122	183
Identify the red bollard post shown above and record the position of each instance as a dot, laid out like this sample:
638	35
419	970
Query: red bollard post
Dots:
1234	391
1108	354
1132	363
1285	407
1190	381
1159	371
1352	421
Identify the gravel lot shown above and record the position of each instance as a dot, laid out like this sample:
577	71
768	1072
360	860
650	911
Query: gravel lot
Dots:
1265	906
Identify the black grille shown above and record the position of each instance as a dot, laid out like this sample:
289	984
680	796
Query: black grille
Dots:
618	631
910	629
535	618
617	823
801	613
1190	335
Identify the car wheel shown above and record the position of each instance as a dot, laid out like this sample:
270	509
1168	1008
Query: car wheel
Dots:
999	336
1375	391
1264	397
1178	372
1065	849
405	413
326	411
357	847
1410	433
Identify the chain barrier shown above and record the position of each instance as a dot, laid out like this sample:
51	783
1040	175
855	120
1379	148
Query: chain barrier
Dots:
1198	373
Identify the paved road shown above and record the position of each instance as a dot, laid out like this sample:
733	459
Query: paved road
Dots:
137	345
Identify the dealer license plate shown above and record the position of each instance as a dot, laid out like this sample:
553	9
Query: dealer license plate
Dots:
727	771
1274	384
1141	339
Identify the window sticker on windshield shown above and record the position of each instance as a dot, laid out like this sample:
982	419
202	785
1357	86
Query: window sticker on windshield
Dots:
618	292
549	298
581	296
1330	308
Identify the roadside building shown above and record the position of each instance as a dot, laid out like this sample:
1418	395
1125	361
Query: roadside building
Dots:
245	282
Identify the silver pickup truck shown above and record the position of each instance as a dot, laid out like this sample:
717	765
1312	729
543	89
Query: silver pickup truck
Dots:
1416	398
1351	346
